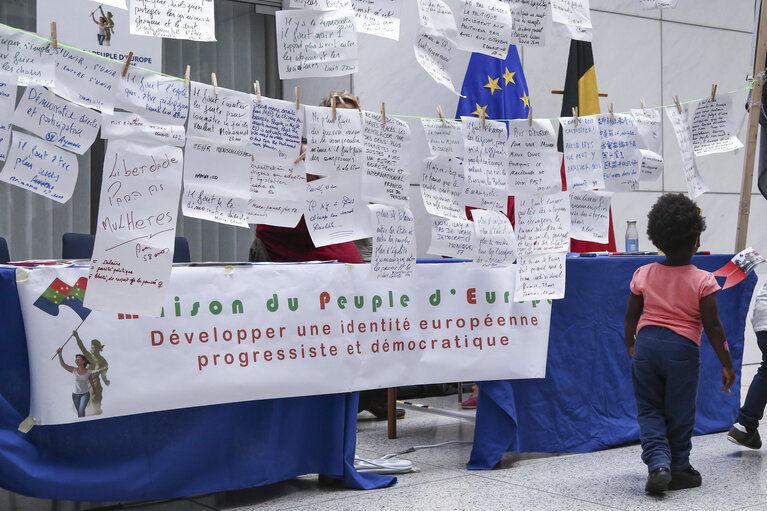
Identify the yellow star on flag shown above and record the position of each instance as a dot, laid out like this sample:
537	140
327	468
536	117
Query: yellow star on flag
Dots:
509	76
492	84
480	111
525	99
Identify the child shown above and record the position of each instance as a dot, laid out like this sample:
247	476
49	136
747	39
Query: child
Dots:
744	431
669	302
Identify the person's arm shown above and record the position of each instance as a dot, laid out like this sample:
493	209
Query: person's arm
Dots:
633	311
709	313
80	344
94	19
61	361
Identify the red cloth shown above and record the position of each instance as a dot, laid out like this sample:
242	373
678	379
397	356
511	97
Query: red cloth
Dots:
286	244
590	246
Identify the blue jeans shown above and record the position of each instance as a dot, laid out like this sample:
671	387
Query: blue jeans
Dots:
665	370
81	401
752	410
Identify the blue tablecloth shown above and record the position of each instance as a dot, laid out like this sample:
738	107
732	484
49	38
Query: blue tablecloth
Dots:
167	454
586	401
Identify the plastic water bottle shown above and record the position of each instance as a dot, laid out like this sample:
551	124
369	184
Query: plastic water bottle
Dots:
632	236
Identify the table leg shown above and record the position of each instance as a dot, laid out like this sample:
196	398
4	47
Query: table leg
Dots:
392	412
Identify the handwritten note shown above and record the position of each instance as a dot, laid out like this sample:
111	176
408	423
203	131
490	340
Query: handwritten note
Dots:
378	17
590	215
393	242
649	126
136	228
495	245
485	164
542	223
529	20
40	167
28	57
216	182
442	185
275	130
7	104
325	5
572	18
334	147
540	277
435	17
657	4
443	137
620	156
120	4
176	19
485	27
434	53
86	79
316	43
533	157
277	193
683	132
451	237
56	120
712	129
160	98
334	211
386	179
223	118
583	153
141	129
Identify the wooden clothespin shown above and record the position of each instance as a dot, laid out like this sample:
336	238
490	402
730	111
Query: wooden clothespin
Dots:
383	113
333	106
54	39
215	84
187	76
644	105
530	116
303	156
575	115
127	63
298	97
612	113
713	92
257	89
441	115
678	105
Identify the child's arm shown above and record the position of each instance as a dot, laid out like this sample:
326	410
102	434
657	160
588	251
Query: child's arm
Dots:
709	313
633	311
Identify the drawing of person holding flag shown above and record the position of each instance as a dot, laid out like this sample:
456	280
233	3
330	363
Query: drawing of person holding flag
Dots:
83	376
99	370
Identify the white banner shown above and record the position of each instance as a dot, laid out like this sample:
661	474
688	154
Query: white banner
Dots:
304	329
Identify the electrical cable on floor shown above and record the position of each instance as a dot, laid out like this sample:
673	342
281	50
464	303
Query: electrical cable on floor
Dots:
417	447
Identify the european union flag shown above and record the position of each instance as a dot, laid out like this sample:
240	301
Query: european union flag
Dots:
61	293
494	88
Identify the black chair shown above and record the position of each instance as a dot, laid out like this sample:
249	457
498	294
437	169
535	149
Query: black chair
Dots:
5	256
80	246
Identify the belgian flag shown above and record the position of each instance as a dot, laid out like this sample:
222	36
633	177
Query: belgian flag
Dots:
581	91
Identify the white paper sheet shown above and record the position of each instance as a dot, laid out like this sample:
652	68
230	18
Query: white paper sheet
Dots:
393	255
683	132
443	137
56	120
386	179
119	4
542	223
495	245
572	18
335	213
141	129
136	228
160	98
435	17
451	237
652	165
712	129
442	185
174	19
540	277
620	156
334	147
27	56
277	193
590	215
657	4
433	53
316	43
7	104
582	153
649	128
324	5
378	17
275	130
485	164
87	79
222	118
534	165
40	167
530	18
485	27
216	182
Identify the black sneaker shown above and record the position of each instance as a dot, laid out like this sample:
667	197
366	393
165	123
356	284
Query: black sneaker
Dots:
687	478
658	480
738	435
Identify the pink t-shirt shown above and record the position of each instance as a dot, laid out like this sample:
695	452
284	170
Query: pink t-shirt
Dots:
672	297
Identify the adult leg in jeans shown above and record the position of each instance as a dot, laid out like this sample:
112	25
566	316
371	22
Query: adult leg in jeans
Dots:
753	408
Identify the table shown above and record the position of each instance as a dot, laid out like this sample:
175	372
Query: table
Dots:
167	454
586	402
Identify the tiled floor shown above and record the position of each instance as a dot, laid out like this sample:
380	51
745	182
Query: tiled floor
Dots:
733	478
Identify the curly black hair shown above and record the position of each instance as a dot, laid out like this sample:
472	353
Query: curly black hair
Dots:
674	223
